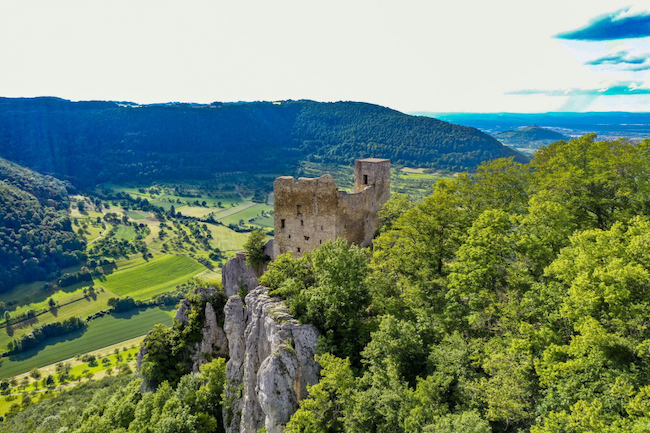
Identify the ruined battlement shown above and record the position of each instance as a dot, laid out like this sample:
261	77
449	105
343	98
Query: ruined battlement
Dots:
310	211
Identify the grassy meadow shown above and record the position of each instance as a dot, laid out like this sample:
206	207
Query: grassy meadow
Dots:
158	275
77	304
101	332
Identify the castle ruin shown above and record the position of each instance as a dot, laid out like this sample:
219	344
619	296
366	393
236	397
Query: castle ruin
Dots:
311	211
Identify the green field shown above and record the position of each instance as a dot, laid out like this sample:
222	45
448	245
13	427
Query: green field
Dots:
32	296
226	239
136	215
265	221
101	332
125	232
198	212
250	210
159	275
224	213
81	307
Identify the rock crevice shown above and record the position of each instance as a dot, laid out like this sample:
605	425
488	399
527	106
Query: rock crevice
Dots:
271	363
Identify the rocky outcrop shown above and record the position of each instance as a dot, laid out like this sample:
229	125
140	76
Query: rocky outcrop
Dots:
235	275
271	356
214	343
182	312
271	363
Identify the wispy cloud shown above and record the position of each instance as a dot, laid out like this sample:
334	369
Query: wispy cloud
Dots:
617	89
639	68
622	57
621	24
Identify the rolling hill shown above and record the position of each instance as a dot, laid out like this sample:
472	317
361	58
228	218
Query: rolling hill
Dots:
93	142
531	136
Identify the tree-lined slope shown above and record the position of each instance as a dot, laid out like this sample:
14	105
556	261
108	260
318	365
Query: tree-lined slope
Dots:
92	142
36	235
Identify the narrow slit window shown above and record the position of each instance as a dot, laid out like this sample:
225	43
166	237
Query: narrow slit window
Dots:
282	222
365	179
298	249
306	238
320	242
299	209
302	222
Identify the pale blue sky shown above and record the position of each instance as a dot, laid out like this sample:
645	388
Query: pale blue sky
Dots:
411	55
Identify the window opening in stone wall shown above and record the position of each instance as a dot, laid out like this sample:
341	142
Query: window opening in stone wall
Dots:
302	222
320	242
365	179
299	209
282	223
298	249
289	236
306	238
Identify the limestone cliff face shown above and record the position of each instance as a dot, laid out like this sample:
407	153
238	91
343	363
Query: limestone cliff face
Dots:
214	342
271	363
235	275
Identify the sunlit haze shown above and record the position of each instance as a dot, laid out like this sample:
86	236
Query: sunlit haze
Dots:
423	55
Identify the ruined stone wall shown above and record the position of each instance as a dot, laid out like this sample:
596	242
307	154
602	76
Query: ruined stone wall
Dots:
305	213
311	211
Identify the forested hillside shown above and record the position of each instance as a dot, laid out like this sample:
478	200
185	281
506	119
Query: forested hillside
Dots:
92	142
36	236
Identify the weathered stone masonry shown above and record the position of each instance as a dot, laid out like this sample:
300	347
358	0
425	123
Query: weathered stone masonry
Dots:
311	211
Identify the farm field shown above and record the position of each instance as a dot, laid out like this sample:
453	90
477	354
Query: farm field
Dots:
136	215
226	239
125	232
78	365
101	332
243	212
80	306
198	211
413	182
265	221
157	276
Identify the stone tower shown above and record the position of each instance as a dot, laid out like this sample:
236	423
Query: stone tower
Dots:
311	211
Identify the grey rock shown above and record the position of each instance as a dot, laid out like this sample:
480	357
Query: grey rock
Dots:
271	363
214	342
235	275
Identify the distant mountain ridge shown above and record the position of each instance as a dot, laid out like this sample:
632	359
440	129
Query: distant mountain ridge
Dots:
530	136
93	141
608	125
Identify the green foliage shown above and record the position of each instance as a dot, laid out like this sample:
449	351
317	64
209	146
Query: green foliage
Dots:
118	405
514	299
167	350
328	400
328	289
36	235
254	246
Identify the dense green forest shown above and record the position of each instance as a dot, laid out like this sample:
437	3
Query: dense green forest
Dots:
94	142
36	235
514	299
